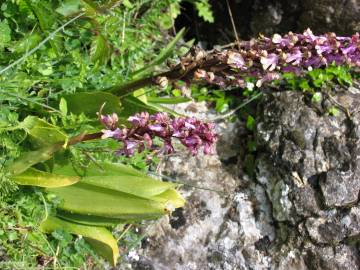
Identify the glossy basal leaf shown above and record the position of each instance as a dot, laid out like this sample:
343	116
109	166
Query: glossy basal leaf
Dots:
90	219
143	187
86	199
105	251
28	159
171	198
100	169
118	177
141	95
90	103
100	238
34	177
134	105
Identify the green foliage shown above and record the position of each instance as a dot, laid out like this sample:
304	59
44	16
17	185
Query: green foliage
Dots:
162	56
24	246
98	237
318	78
333	111
5	34
52	95
33	177
204	10
220	99
250	123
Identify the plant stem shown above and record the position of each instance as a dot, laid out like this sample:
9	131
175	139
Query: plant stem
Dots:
84	137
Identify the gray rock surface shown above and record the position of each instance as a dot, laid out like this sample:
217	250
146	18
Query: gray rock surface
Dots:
268	17
299	210
340	16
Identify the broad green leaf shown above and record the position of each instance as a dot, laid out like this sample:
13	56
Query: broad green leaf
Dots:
90	103
100	50
143	187
90	220
87	199
119	177
141	95
161	108
33	177
28	159
116	191
171	198
171	100
133	105
107	169
104	251
163	55
99	238
43	132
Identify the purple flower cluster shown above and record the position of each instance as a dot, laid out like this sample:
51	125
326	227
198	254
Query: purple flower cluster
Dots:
191	132
267	58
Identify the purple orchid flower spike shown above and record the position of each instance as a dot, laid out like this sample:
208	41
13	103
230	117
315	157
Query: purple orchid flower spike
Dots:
258	58
269	62
139	119
109	121
192	133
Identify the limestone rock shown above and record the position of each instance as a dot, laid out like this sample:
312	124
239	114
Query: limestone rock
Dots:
299	210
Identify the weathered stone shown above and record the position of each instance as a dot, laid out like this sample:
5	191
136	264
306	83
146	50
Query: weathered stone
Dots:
340	16
292	260
325	230
342	257
352	222
340	188
299	210
304	198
